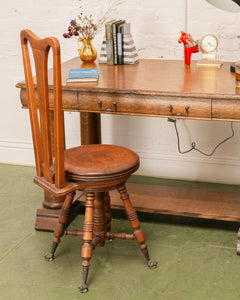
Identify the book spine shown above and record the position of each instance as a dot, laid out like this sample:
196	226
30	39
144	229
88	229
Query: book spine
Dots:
109	43
114	34
119	46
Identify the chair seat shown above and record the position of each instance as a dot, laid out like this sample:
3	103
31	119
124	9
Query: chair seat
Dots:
99	161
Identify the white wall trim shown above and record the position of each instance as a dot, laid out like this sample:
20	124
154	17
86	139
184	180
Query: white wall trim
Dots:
224	170
221	169
16	152
221	160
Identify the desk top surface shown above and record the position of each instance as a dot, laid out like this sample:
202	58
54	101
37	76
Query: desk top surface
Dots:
168	77
160	76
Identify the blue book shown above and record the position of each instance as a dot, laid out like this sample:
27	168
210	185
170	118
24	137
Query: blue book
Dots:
83	75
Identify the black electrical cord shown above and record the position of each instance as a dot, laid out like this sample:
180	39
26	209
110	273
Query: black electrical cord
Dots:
193	144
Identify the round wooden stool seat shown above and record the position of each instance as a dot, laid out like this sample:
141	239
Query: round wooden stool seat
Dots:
99	161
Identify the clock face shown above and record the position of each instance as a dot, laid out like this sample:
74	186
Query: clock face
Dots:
209	43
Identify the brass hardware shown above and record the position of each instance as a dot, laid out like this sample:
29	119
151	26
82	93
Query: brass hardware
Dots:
178	114
100	104
108	109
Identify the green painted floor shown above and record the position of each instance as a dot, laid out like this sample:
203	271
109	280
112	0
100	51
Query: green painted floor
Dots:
197	258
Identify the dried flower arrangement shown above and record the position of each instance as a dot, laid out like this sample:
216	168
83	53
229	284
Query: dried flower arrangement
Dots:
85	27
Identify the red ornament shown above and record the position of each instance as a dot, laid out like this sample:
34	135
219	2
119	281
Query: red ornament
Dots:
190	46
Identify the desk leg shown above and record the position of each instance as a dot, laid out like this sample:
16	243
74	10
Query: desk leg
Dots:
90	128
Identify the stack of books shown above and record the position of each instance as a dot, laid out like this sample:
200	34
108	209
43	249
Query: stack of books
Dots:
118	47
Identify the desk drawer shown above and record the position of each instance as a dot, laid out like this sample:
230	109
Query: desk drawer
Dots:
69	99
151	105
226	109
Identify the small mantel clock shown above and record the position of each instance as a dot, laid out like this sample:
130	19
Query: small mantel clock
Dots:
209	51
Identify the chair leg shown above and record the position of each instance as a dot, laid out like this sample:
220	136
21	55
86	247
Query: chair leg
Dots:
59	229
135	224
108	211
99	220
87	239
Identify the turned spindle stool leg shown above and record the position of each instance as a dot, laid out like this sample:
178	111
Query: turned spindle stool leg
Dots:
238	243
87	239
108	211
135	224
60	227
99	220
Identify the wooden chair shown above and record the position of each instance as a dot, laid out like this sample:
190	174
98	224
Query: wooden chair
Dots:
90	168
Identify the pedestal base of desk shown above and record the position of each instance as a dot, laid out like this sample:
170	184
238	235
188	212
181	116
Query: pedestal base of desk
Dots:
47	219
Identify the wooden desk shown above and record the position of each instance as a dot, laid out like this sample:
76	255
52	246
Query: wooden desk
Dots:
157	88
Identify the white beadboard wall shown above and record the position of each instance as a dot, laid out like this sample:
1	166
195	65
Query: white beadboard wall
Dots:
156	26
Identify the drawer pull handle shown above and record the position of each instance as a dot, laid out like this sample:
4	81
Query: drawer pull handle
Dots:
178	114
108	109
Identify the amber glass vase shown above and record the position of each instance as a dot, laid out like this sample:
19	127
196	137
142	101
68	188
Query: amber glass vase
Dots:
87	52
